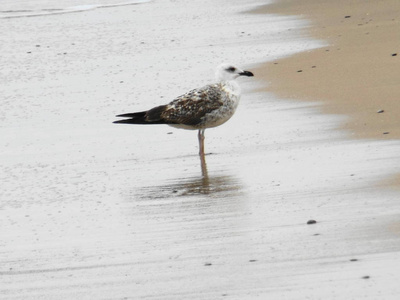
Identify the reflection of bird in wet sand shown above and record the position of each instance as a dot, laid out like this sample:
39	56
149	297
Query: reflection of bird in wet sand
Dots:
198	109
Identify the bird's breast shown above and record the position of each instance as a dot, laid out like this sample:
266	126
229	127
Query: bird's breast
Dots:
231	88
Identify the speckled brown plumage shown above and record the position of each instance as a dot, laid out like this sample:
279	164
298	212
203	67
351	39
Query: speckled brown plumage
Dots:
191	108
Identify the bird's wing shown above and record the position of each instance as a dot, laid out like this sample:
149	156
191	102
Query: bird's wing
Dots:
190	108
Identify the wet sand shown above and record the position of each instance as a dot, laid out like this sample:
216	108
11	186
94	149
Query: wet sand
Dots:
93	210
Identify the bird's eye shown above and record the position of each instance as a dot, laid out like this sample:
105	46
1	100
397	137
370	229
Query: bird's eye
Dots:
231	69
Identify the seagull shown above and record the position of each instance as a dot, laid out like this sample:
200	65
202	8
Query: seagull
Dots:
206	107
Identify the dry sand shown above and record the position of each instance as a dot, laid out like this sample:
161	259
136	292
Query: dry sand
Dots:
356	74
92	210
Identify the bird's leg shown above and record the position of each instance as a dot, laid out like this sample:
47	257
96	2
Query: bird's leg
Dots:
201	142
202	154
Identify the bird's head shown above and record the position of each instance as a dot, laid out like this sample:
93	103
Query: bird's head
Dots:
227	72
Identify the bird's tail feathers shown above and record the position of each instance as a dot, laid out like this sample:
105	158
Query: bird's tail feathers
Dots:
152	116
133	115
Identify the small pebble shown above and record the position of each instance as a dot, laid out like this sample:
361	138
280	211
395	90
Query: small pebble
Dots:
394	54
300	71
309	222
380	111
386	132
346	17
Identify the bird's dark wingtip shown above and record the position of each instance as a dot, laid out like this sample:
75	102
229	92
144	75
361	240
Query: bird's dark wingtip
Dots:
123	115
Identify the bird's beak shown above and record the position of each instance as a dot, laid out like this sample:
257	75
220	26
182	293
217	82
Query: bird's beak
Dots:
246	73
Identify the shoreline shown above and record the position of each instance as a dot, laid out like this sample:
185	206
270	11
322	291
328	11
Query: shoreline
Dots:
355	75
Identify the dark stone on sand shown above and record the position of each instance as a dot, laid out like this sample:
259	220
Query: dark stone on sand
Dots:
380	111
386	132
365	277
354	259
208	264
300	71
346	17
252	260
394	54
309	222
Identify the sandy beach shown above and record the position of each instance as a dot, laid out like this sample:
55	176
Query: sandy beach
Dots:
94	210
356	73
